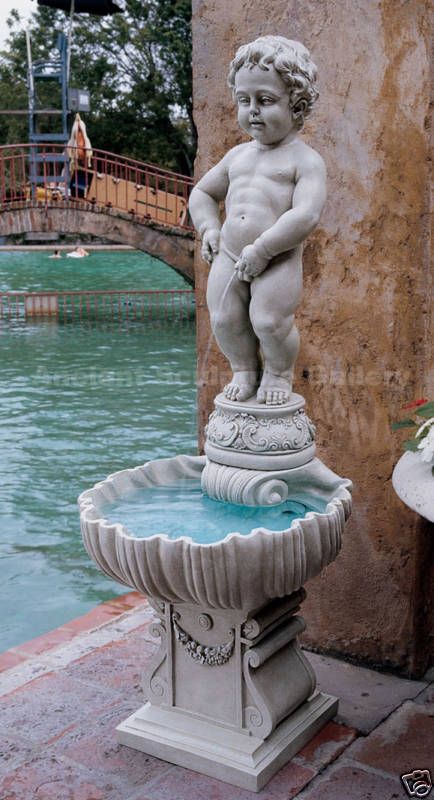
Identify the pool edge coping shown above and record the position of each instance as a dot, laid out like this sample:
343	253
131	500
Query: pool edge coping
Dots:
98	617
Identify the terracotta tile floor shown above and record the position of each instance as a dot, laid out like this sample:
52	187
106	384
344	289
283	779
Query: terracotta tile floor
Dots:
62	695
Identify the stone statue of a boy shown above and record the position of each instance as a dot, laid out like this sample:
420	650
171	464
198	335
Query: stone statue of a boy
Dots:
274	189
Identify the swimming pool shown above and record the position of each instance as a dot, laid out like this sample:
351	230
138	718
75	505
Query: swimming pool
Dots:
79	401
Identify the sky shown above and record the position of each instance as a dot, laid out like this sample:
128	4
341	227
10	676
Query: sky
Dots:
25	7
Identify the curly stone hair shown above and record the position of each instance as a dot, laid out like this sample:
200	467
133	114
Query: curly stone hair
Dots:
293	63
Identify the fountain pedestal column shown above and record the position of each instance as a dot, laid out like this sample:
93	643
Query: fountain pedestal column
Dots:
251	446
230	693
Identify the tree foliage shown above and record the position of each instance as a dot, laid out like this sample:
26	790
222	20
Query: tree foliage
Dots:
137	68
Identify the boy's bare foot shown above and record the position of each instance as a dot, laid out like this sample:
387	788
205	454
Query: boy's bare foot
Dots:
242	386
275	390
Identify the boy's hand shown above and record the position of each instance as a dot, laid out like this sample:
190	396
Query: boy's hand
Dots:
210	245
250	263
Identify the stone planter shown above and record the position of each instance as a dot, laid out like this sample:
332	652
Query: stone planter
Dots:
413	482
229	692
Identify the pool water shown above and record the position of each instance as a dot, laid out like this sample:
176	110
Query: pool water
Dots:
181	509
34	271
79	401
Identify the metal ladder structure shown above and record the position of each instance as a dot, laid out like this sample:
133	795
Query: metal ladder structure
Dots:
57	164
54	70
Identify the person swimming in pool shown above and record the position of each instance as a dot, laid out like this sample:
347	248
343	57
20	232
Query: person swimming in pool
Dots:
79	252
274	189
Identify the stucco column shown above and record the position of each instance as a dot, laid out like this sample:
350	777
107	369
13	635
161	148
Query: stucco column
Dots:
366	318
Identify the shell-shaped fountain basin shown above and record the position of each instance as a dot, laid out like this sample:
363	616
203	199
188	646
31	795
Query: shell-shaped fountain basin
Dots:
238	570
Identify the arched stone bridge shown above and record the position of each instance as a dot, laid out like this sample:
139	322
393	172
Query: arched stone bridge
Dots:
114	198
174	246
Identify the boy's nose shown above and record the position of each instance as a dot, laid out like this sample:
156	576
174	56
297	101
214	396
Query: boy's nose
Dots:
254	110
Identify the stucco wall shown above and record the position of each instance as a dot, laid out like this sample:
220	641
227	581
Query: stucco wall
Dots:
366	317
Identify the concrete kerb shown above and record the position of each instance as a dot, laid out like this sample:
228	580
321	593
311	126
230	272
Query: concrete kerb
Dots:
82	644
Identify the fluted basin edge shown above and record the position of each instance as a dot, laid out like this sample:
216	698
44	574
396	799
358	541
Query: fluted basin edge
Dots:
239	571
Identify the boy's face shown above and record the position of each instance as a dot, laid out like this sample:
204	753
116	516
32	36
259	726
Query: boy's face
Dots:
263	105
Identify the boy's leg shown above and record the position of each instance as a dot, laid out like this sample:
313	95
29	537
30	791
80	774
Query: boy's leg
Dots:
228	301
276	293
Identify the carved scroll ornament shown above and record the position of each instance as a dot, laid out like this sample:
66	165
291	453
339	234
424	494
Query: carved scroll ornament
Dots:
242	431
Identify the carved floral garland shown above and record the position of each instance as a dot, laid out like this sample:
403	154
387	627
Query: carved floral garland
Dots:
209	656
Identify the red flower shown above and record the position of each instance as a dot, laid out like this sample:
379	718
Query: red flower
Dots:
414	404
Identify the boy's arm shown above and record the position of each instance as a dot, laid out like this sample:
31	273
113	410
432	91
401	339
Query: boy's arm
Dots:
294	225
204	207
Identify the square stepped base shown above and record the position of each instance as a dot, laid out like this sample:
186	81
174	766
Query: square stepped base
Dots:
220	752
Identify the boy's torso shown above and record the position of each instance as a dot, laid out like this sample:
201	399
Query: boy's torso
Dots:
261	186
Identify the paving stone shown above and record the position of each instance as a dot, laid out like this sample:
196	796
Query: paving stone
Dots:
129	600
98	616
13	752
404	742
45	708
49	778
426	697
96	748
184	784
144	632
45	642
119	664
287	783
80	645
346	782
366	697
326	746
10	659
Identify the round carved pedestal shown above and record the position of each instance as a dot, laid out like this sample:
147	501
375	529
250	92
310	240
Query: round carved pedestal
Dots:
251	446
256	436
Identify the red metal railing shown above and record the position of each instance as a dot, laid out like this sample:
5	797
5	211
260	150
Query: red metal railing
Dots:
156	304
52	174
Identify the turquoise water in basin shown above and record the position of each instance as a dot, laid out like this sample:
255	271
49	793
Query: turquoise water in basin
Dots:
79	401
183	510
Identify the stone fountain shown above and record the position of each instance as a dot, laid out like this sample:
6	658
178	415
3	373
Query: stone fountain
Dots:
230	693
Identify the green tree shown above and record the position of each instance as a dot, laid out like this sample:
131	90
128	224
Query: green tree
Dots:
137	68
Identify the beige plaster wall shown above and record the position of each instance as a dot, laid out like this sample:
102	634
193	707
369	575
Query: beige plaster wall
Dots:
366	317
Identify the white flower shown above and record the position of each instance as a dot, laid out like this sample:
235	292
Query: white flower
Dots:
426	445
